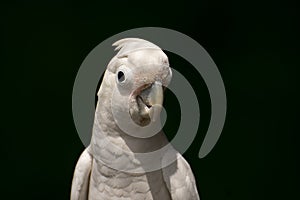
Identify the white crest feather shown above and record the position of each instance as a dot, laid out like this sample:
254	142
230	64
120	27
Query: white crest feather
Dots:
129	45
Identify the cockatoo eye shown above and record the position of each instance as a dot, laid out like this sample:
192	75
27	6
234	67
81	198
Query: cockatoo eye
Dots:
124	77
121	76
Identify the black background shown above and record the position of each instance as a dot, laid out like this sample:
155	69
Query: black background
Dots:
255	45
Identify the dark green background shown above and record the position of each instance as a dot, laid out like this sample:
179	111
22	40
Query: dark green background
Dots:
255	45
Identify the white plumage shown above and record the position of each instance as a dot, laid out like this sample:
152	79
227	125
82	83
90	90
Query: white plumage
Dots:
133	80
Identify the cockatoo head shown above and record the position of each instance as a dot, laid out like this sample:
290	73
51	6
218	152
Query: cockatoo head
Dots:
134	81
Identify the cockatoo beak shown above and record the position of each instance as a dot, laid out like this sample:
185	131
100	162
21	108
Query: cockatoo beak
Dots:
152	98
155	97
156	100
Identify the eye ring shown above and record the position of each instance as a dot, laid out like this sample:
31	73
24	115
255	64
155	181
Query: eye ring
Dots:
121	76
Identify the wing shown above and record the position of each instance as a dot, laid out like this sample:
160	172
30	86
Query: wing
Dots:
180	180
81	178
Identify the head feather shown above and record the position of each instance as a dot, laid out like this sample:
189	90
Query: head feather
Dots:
128	45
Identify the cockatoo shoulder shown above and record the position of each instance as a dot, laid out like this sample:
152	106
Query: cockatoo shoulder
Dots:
81	178
180	180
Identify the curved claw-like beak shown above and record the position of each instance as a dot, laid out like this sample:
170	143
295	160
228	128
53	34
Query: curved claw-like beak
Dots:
156	100
152	99
154	95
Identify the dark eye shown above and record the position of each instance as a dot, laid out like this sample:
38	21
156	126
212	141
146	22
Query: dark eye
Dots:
121	76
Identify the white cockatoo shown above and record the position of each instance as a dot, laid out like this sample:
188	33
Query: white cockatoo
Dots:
123	160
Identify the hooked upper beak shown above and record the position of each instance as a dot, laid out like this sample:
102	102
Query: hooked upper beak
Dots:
150	100
153	95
